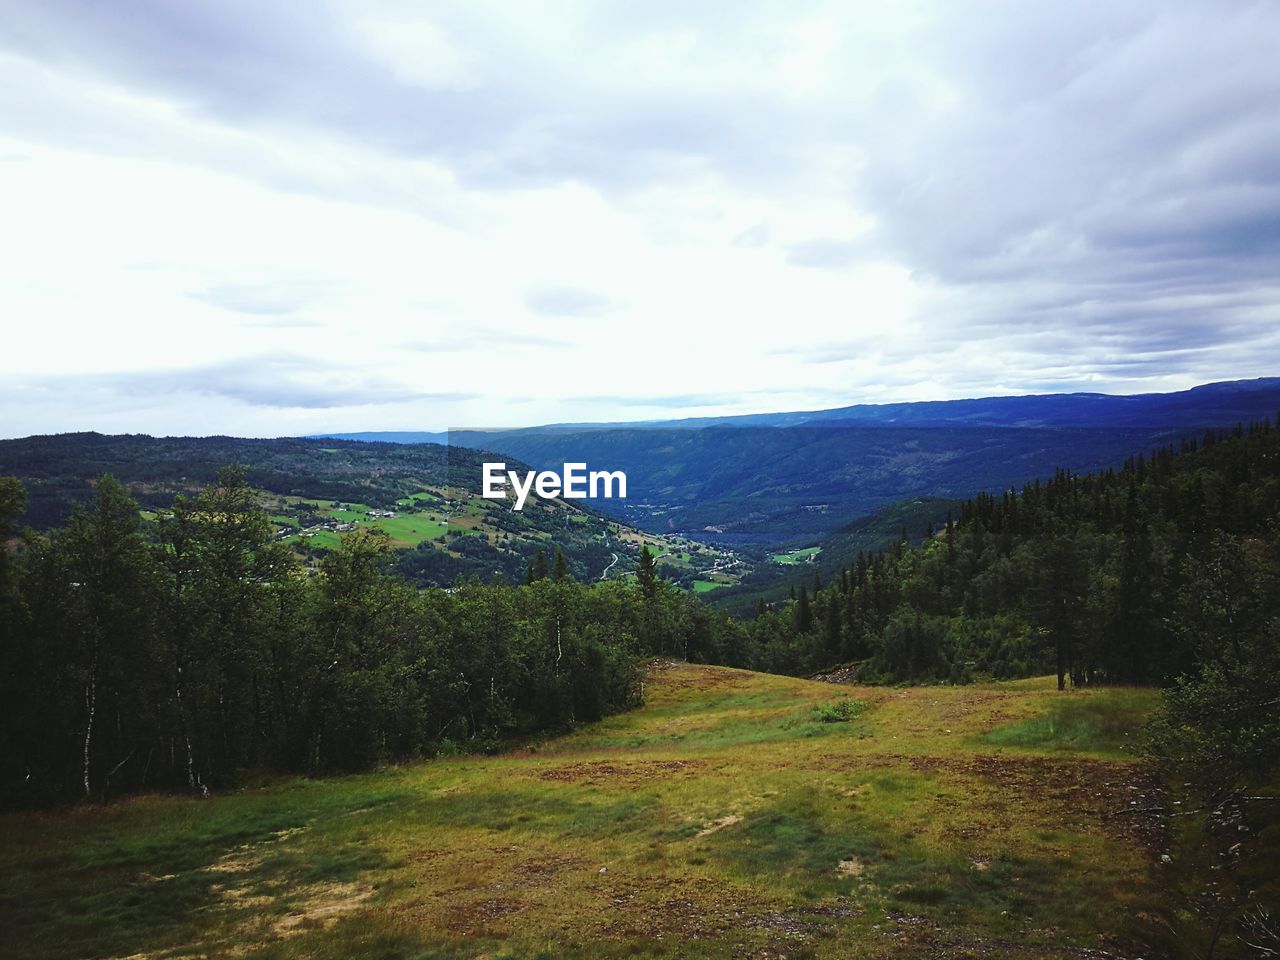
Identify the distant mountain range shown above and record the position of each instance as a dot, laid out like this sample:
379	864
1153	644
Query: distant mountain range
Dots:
796	477
1208	405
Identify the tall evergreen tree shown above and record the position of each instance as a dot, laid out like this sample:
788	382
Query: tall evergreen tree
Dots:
537	568
647	574
804	613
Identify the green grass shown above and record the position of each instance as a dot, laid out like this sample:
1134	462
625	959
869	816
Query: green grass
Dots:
796	556
735	814
838	711
326	539
421	495
1082	721
405	530
410	530
358	511
703	586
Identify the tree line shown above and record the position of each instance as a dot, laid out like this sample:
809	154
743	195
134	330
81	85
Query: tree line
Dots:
190	651
1136	575
193	651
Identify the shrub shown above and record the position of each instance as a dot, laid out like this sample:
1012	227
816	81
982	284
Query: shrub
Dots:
838	711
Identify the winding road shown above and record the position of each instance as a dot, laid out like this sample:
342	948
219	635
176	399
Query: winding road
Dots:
605	575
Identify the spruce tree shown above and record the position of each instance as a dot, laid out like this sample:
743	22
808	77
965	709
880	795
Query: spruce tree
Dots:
804	614
538	568
647	574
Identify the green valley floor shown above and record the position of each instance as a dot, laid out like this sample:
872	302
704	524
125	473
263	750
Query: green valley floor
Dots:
734	815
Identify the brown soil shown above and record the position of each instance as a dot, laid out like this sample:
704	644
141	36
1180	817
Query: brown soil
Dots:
622	771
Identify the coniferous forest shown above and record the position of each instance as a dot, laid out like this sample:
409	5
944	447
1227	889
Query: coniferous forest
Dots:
190	652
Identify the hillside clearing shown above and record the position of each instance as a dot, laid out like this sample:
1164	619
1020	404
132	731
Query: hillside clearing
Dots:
722	819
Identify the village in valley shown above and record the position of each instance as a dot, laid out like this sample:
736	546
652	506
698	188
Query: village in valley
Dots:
457	521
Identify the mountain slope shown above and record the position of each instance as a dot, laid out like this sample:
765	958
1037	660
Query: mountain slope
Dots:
795	484
795	477
425	497
722	819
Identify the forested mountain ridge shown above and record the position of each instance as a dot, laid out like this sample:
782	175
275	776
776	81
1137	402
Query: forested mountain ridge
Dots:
1120	576
771	583
793	485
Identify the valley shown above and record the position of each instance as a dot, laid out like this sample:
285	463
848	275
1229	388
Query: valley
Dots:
1061	743
427	499
792	479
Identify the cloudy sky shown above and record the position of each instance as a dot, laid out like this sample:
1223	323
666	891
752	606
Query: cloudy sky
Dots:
274	218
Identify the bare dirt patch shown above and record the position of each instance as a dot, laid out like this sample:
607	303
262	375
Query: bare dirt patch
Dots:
633	772
248	855
324	904
251	899
542	872
679	676
481	918
715	826
1118	795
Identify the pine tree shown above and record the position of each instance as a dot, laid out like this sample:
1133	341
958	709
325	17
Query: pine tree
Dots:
561	570
647	574
804	614
538	568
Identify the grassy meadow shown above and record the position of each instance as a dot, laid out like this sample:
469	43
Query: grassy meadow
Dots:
736	814
796	556
706	586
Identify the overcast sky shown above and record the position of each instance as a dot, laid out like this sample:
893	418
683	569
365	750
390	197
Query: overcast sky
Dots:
257	218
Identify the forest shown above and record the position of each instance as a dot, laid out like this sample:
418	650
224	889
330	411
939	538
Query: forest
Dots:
193	651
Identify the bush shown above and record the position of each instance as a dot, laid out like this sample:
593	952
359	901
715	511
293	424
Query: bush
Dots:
838	711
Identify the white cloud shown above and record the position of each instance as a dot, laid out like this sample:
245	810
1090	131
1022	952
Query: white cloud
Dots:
488	215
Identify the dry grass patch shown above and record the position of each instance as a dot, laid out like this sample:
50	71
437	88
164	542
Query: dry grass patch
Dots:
715	826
